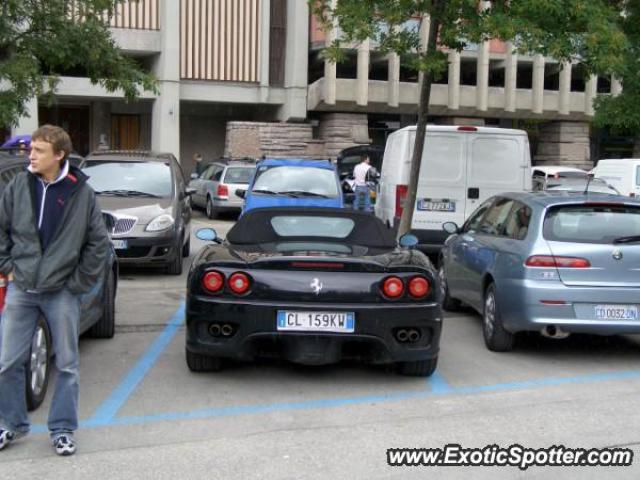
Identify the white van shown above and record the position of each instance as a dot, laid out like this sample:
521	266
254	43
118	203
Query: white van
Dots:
621	173
461	167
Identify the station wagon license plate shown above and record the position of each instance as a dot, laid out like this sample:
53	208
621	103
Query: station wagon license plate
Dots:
119	244
340	322
436	206
616	312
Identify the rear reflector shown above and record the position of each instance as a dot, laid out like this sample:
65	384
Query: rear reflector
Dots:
3	291
222	191
418	287
401	195
317	265
554	302
551	261
392	287
213	281
239	283
467	128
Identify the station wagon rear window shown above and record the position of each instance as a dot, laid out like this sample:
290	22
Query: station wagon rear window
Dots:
239	175
591	223
312	226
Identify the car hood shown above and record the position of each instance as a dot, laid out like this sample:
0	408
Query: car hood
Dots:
145	209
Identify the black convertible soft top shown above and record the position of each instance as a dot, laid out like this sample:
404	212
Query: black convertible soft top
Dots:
255	227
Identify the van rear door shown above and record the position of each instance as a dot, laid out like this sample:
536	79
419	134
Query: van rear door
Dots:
498	163
440	195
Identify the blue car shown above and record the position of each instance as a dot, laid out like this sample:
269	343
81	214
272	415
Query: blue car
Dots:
293	183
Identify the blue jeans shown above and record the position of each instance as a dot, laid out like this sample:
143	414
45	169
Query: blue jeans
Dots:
363	198
19	320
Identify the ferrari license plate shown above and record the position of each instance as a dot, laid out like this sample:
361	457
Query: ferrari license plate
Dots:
616	312
119	244
341	322
436	206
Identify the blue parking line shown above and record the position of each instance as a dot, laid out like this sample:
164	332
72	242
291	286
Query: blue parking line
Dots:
110	407
438	384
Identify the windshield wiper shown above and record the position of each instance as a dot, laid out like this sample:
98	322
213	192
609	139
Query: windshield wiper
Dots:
127	193
629	239
301	193
266	192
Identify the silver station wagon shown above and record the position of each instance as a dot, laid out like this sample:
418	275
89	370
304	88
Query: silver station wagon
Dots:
552	262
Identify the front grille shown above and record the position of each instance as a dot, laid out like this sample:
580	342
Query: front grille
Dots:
134	252
124	225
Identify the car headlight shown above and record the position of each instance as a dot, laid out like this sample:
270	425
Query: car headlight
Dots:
161	222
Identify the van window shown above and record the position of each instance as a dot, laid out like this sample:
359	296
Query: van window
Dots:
638	176
442	155
495	160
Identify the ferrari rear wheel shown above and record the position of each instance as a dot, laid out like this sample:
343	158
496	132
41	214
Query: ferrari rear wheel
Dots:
422	368
203	363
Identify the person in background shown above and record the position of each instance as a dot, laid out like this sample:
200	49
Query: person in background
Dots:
53	248
361	186
199	163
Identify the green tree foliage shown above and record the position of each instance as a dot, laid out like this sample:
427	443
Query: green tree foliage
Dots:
584	31
43	39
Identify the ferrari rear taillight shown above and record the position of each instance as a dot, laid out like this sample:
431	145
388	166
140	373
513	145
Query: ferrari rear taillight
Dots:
222	191
401	195
551	261
392	287
239	283
418	287
213	281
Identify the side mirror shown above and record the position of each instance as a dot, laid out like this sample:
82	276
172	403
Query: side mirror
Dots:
451	227
408	240
241	192
208	235
194	176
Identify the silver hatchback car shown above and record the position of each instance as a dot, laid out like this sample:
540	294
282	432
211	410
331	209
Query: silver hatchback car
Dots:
552	262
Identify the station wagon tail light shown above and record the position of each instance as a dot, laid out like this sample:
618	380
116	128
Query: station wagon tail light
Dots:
401	195
239	283
551	261
213	281
222	191
418	287
392	287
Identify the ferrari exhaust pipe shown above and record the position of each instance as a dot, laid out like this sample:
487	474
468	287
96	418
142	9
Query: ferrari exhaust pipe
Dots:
214	330
226	330
414	335
402	335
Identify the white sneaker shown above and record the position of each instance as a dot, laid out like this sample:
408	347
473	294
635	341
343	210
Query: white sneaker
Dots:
64	444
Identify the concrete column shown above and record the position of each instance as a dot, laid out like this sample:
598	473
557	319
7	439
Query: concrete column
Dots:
165	115
564	143
565	89
295	73
616	86
330	68
454	80
265	20
482	77
537	89
28	124
510	76
393	83
362	88
590	91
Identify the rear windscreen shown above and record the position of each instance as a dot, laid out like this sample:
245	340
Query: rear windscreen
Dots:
591	223
240	175
638	176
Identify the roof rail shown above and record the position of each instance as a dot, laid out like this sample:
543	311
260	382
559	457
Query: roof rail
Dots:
130	153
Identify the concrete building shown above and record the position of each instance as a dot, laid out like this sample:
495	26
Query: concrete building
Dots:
246	78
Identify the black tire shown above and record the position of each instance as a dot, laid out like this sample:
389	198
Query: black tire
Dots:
496	338
38	365
449	303
422	368
203	363
175	267
105	327
211	211
186	248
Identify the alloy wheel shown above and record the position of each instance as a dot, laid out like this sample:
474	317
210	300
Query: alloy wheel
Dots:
489	314
39	361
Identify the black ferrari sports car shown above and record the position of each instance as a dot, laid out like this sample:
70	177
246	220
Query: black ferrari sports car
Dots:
313	286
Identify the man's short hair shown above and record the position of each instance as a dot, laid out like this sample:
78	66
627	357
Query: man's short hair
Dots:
56	136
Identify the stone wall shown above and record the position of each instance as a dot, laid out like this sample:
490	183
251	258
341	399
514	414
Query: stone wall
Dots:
342	130
277	140
564	143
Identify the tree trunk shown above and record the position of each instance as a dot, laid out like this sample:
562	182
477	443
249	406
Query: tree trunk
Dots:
421	128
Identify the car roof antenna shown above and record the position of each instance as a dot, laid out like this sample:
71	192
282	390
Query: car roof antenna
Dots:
589	178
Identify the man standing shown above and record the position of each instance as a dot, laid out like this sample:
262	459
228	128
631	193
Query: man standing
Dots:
363	195
198	162
53	247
